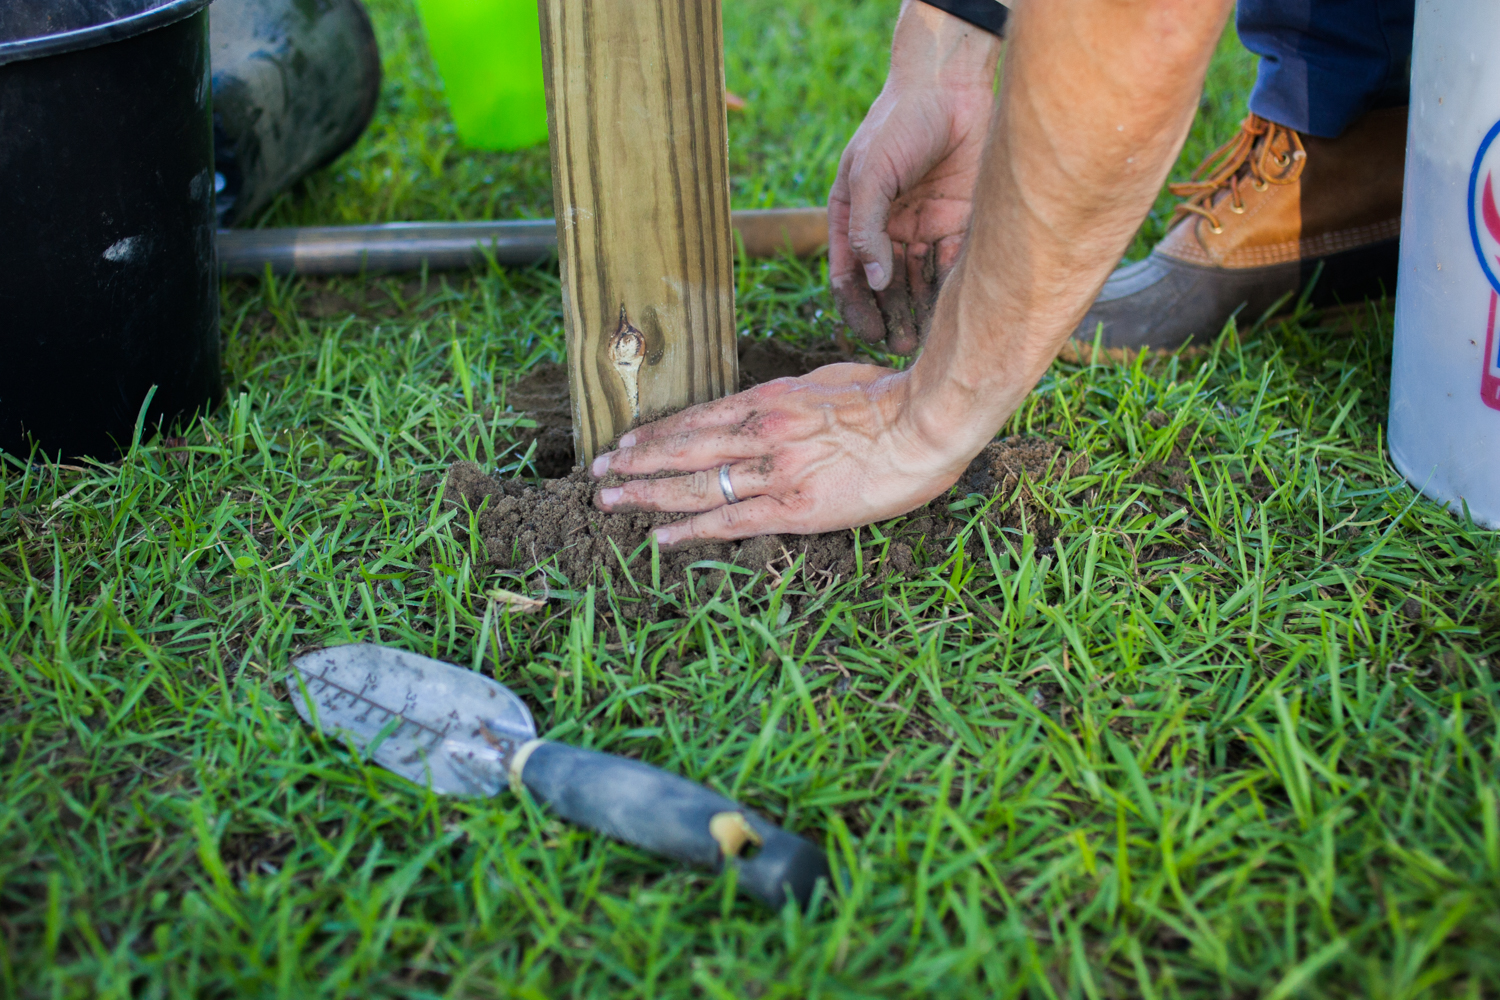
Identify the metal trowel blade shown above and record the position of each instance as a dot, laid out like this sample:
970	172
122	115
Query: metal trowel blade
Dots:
441	726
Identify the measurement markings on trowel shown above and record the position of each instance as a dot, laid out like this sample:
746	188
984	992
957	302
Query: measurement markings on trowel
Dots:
424	724
435	736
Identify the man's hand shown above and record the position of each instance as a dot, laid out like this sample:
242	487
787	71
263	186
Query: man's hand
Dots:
839	447
901	202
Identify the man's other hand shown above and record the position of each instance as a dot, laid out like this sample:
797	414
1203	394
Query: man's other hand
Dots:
901	203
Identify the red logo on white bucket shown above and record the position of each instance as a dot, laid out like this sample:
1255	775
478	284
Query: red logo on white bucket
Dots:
1484	229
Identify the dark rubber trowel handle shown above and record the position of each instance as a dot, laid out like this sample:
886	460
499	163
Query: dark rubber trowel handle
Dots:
674	817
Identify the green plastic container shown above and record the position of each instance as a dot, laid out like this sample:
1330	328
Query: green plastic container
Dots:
489	53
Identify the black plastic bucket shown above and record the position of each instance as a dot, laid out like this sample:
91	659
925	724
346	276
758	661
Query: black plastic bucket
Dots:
108	283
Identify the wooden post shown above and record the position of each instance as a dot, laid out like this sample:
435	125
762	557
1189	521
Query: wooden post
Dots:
635	107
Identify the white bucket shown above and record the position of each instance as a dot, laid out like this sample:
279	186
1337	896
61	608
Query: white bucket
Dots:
1445	372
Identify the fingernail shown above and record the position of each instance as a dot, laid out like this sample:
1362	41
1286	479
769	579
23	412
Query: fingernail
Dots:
875	274
601	465
663	536
627	439
611	496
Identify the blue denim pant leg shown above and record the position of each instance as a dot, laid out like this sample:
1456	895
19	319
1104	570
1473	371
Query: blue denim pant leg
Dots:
1323	63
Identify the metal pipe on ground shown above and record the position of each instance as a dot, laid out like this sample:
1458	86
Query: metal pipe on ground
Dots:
446	246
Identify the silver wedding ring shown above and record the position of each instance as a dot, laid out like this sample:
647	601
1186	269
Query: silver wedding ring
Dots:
725	485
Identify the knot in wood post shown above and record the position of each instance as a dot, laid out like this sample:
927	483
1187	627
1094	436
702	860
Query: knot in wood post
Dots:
627	349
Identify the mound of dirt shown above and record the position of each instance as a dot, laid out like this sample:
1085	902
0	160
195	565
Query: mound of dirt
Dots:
523	524
543	396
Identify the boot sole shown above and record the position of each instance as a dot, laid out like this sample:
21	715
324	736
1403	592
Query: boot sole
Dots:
1164	304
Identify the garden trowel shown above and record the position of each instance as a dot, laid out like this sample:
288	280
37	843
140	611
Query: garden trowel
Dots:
460	733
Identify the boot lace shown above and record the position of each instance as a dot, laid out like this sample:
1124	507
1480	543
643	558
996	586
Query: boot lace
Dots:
1249	157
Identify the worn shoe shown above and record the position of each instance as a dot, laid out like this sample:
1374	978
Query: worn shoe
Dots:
1260	216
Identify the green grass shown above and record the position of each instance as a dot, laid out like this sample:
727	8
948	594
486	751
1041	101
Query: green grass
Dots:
1233	733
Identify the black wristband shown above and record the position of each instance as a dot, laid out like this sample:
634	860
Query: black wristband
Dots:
987	14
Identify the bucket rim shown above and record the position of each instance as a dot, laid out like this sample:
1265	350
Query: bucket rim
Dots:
99	34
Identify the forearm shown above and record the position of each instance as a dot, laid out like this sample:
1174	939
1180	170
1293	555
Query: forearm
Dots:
1096	99
931	47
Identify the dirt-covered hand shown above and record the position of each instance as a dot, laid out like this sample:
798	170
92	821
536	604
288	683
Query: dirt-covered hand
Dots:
839	447
902	198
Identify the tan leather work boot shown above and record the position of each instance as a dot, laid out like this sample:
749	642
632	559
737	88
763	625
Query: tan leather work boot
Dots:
1260	215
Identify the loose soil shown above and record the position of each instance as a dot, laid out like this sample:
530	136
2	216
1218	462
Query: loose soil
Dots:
523	523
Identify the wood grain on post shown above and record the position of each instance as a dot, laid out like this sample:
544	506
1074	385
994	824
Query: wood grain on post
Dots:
635	107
